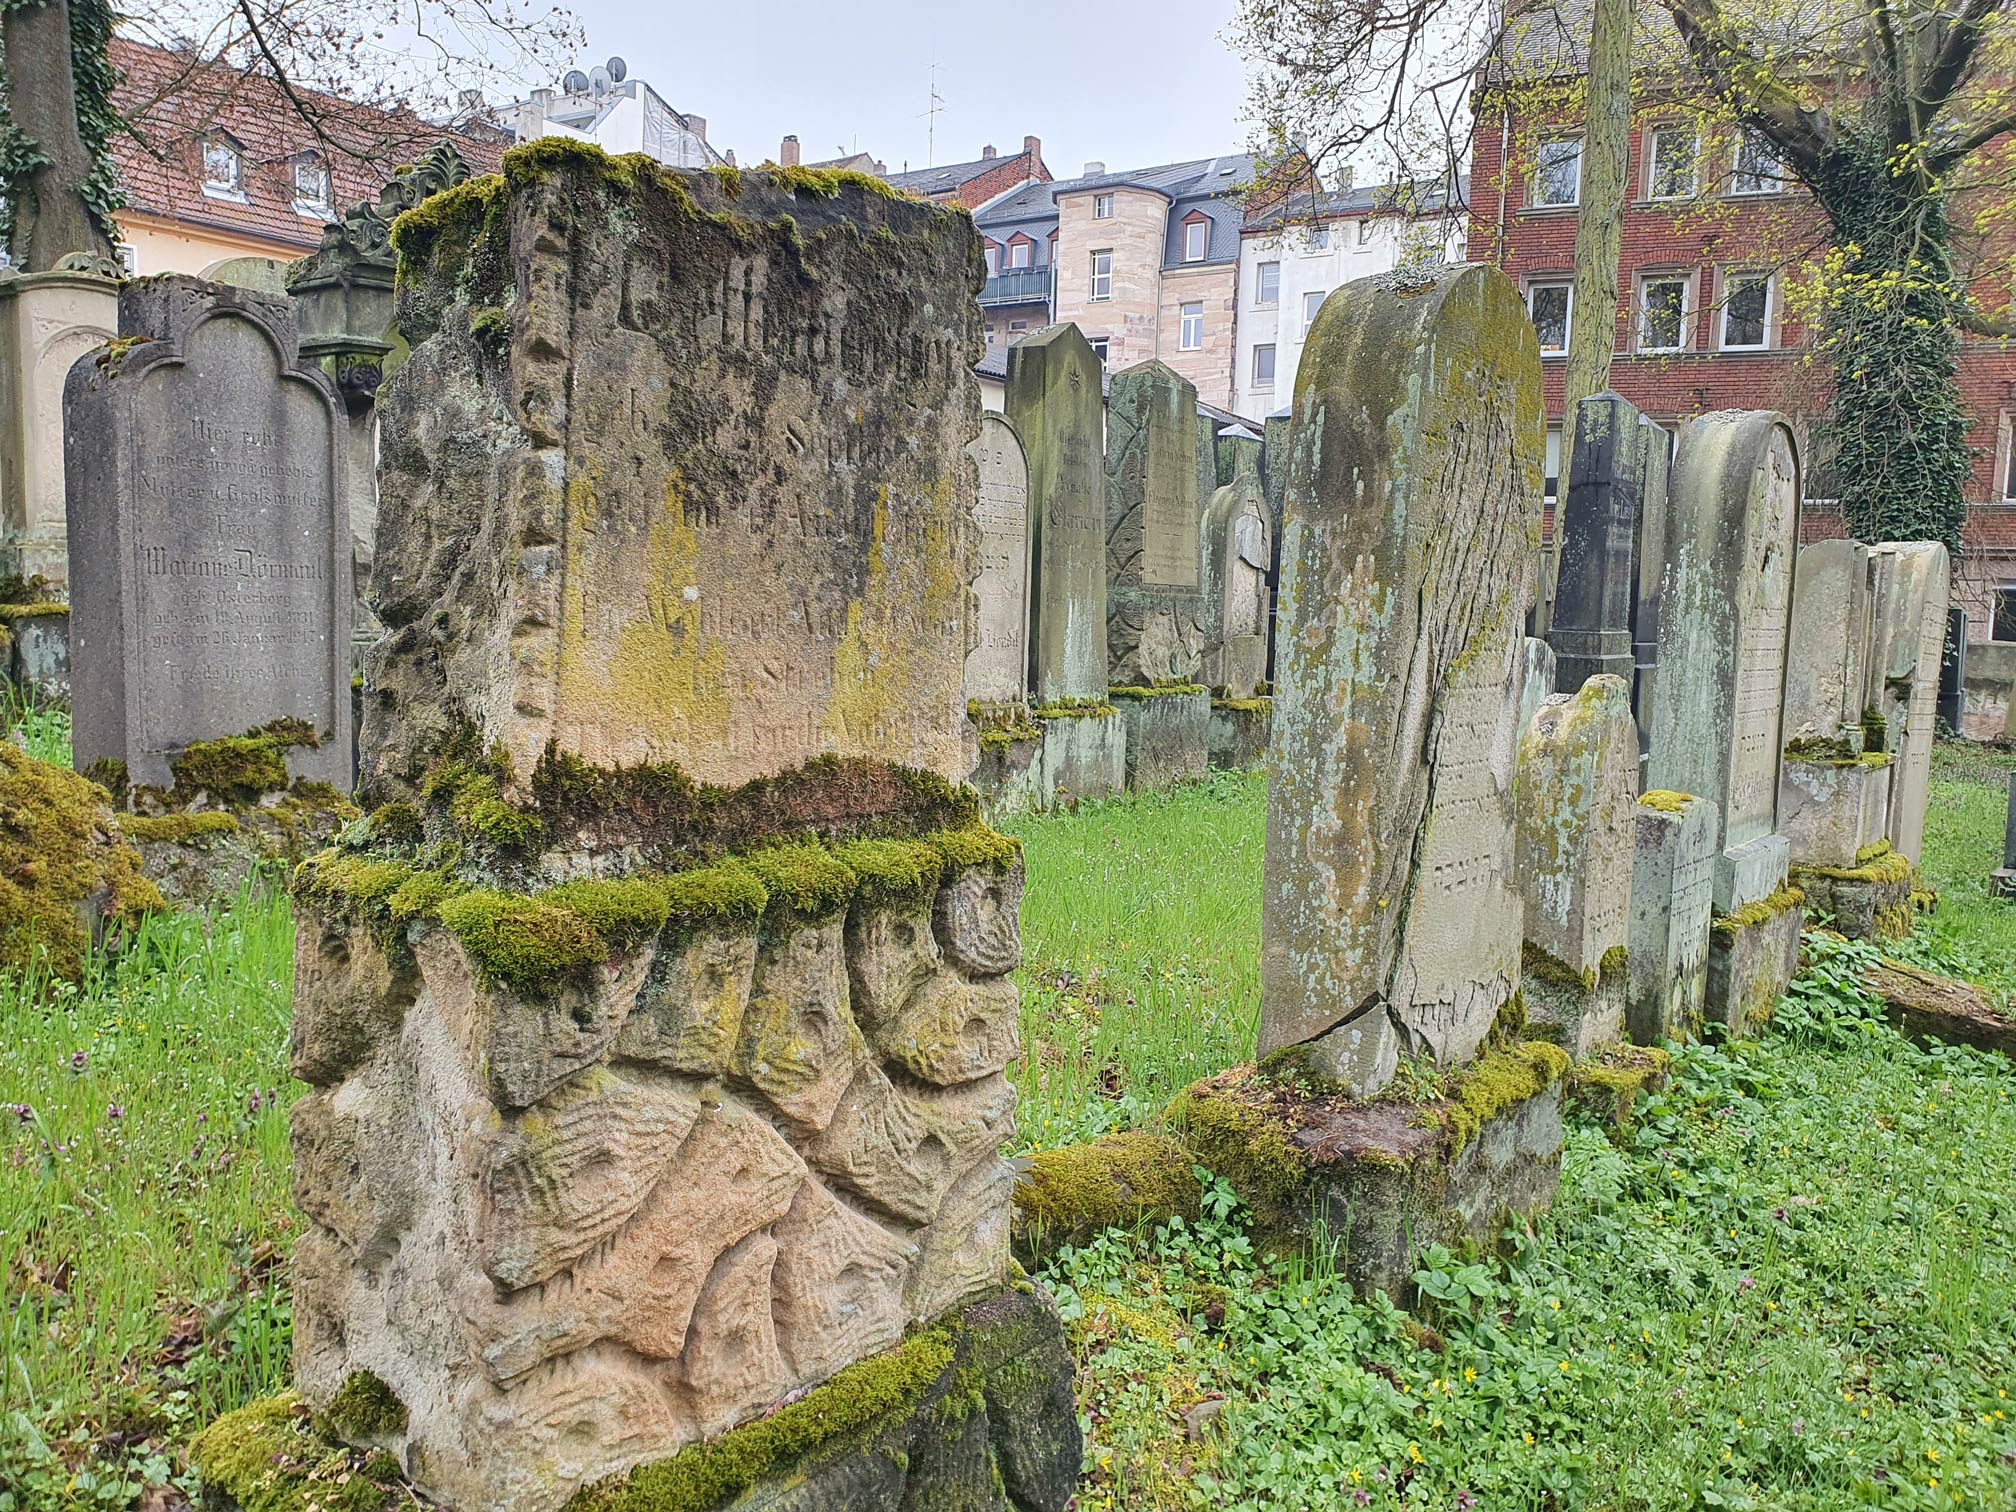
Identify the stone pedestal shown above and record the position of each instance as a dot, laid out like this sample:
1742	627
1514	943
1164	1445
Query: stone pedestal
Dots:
1168	735
1672	901
47	321
1010	769
1827	806
1239	732
1084	756
1386	1178
1753	954
2002	881
1869	899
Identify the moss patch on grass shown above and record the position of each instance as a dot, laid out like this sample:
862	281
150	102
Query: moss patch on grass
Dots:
1067	1195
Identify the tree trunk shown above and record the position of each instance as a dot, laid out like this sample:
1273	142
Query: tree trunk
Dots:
1606	162
51	218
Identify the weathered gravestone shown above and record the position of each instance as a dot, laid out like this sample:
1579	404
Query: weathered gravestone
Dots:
1953	671
997	668
1606	600
680	1092
1913	586
1237	546
1834	792
1536	678
2002	881
1672	905
1154	582
1053	400
1725	603
1391	920
1578	788
209	529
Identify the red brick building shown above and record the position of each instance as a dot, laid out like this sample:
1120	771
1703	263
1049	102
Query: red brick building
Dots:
1716	243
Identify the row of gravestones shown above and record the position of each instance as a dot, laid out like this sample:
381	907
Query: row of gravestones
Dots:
657	1019
1124	600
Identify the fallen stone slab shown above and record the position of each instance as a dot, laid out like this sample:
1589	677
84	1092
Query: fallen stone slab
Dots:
1934	1009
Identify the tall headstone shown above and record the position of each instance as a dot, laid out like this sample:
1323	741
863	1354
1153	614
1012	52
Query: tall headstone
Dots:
204	465
1207	457
1953	671
1578	789
1616	497
1154	578
997	668
1274	477
1238	447
1831	791
1672	903
1536	679
47	321
1391	919
1912	594
1237	546
666	1102
2002	881
1054	402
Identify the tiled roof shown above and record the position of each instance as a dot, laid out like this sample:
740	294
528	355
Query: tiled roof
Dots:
1213	185
1374	199
945	177
175	101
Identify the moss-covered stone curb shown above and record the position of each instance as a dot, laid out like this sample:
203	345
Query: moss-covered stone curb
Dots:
1933	1009
1074	708
1139	1178
1763	911
1608	1086
272	1456
1156	690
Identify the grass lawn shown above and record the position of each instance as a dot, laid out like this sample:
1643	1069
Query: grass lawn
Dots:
1794	1286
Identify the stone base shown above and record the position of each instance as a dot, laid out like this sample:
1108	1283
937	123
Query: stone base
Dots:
2002	882
1829	811
1168	736
977	1415
1239	729
1009	776
1384	1180
1753	955
1609	1086
1932	1009
1581	1020
1084	756
1869	902
40	655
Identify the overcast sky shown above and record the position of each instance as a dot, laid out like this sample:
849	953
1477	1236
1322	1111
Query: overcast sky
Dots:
1128	82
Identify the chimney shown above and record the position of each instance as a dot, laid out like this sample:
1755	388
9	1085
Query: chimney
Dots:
543	98
787	155
1093	170
731	157
986	152
698	126
1033	146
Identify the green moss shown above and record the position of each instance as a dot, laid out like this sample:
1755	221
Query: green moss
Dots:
358	885
726	893
1875	729
11	612
1243	705
1249	1149
1824	748
1002	737
826	183
269	1457
625	911
1761	912
397	824
180	828
1888	868
235	769
481	814
524	943
1074	708
1874	852
708	1476
1069	1194
1158	690
1538	963
420	897
1614	961
1666	801
60	848
1609	1085
1502	1080
807	881
892	871
975	845
366	1408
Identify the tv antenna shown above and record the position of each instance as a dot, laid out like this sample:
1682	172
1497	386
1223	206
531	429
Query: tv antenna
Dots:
930	117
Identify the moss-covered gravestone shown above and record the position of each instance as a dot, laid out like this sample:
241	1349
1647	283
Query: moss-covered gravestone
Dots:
1155	614
1391	923
1578	782
1832	790
1724	611
1913	584
656	1018
1672	904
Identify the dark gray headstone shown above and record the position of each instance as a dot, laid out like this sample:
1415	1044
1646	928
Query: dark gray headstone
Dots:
1605	616
209	538
2002	882
1154	576
1953	670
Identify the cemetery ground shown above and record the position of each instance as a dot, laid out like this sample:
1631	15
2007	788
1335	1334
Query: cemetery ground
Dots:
1790	1282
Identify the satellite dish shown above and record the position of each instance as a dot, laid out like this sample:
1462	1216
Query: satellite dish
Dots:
598	79
575	83
618	70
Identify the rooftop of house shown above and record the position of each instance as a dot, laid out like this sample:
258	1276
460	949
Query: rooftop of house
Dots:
1214	187
948	177
177	102
1430	198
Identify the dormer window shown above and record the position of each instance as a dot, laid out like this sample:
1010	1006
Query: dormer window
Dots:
1196	240
223	168
311	186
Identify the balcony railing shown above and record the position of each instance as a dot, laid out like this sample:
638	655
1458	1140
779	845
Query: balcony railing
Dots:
1017	286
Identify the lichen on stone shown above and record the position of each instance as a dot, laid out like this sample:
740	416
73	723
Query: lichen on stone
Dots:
1763	911
180	829
270	1457
1666	801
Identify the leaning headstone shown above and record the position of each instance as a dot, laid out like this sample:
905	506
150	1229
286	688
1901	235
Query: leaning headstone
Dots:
1913	587
1054	402
1830	789
1154	580
1725	604
1672	904
207	522
997	668
656	1020
1578	789
1391	918
2002	881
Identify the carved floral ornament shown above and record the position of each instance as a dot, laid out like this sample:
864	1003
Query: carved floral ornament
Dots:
364	233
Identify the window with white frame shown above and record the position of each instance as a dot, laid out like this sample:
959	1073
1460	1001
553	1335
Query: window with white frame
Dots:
1552	308
311	186
1101	345
993	256
1018	254
1190	326
1316	239
1267	284
1672	169
1018	325
1263	366
1365	232
223	173
1102	207
1662	312
1553	463
1746	312
1196	240
2002	613
1102	274
1311	303
1759	169
129	258
1557	172
2008	457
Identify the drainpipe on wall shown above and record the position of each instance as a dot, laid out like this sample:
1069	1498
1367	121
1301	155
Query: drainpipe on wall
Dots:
1504	151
